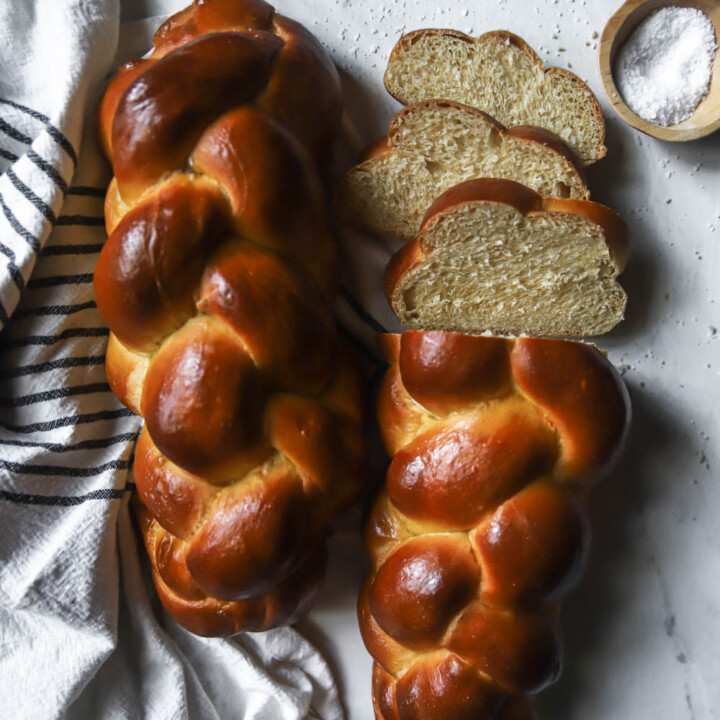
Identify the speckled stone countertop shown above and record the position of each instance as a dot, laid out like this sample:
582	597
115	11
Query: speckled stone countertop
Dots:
643	629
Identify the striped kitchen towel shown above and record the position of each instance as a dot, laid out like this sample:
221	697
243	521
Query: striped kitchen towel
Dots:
81	632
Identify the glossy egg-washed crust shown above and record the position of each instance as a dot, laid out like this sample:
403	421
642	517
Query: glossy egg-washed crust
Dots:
504	36
215	282
525	201
481	529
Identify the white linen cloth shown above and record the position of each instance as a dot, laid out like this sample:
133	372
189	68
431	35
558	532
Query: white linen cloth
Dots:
82	634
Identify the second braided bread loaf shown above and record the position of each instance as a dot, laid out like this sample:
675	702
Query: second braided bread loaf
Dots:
481	530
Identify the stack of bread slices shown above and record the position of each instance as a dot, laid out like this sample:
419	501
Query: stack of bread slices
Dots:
482	172
480	530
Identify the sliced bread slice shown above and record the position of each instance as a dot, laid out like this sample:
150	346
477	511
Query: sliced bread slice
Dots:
436	144
494	256
502	75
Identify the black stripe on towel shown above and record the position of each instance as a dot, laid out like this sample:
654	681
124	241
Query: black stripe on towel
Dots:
71	420
48	169
14	133
31	196
80	249
59	470
53	131
15	224
86	220
52	339
46	395
41	163
54	310
13	269
53	280
87	191
62	363
12	157
92	444
65	500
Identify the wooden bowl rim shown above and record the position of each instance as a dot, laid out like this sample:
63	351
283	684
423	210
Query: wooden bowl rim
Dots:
617	26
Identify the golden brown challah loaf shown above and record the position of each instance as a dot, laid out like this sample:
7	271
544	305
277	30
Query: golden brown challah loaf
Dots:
215	283
481	529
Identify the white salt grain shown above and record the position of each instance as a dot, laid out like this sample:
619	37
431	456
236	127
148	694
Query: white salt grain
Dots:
663	69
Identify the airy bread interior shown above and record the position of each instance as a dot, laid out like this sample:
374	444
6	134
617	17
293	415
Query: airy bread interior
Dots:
502	76
436	145
487	267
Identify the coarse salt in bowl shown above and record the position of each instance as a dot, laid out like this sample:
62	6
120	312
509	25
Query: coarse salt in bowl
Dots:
663	69
660	66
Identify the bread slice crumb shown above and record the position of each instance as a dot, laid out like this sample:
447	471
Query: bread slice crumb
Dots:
436	144
502	75
493	256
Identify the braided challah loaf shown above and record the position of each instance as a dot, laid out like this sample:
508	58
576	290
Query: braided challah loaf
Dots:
215	283
481	529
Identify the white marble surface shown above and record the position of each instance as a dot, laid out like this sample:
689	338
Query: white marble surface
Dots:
643	629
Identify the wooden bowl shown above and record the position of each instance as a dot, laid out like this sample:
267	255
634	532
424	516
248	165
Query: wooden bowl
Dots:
706	118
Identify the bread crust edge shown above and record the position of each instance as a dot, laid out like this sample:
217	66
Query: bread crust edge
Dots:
525	201
385	145
410	38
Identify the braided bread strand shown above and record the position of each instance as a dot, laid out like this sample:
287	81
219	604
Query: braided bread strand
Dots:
215	283
481	530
